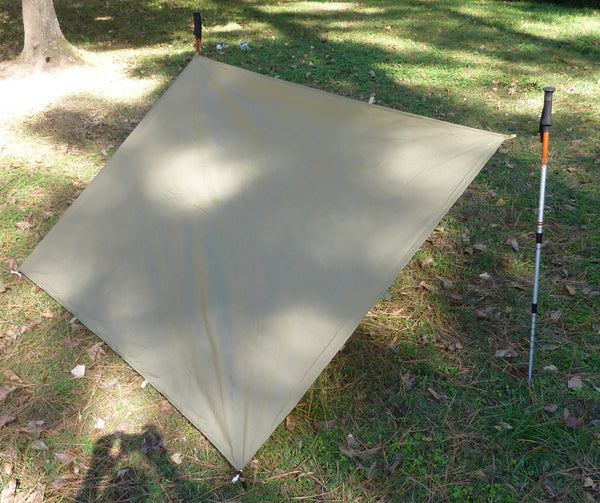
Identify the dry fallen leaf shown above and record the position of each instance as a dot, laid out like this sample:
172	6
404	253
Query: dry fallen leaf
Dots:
506	353
164	406
551	409
426	261
26	395
7	419
3	287
354	451
448	284
29	326
514	243
31	496
69	342
548	486
550	368
78	371
8	493
503	426
574	422
548	347
5	391
589	482
39	445
394	348
109	384
480	247
407	381
35	427
290	423
452	346
555	316
23	226
590	292
63	457
96	351
485	314
570	290
177	458
63	480
440	396
394	466
327	425
12	376
518	286
426	286
372	471
575	383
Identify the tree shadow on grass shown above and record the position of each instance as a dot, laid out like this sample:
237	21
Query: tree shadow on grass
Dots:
98	25
136	467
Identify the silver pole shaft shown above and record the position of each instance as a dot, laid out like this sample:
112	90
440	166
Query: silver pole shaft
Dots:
538	261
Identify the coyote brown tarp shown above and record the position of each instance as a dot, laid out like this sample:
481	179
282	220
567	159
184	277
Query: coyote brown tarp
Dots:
239	235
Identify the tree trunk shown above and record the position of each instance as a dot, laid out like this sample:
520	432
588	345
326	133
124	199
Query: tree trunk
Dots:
45	45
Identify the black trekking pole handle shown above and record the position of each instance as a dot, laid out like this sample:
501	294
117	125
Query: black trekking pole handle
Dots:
198	29
546	119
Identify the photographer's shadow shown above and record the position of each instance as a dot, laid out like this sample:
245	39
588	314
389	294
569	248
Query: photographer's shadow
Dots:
128	468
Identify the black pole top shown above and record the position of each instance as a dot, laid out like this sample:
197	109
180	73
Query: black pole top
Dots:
546	118
198	25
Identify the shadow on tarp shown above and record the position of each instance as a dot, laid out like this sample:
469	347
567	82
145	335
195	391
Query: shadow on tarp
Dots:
136	467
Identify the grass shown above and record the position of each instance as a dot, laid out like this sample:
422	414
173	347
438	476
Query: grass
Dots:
418	382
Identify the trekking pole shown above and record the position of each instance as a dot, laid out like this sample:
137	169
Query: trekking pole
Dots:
198	30
545	123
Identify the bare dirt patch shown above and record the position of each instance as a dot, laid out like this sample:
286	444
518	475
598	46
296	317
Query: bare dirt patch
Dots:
30	107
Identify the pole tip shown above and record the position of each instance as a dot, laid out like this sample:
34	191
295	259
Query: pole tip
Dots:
549	89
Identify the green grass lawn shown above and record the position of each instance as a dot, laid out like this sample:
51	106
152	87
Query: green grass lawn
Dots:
438	416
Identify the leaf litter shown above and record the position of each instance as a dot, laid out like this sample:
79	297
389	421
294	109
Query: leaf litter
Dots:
12	376
35	427
7	419
5	391
69	342
398	456
39	445
575	383
63	457
506	353
78	371
96	351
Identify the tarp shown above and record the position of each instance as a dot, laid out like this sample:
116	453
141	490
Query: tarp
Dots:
236	239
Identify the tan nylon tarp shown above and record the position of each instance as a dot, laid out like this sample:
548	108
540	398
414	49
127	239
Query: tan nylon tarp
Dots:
240	234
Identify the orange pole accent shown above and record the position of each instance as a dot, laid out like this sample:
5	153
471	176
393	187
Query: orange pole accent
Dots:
198	45
545	142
